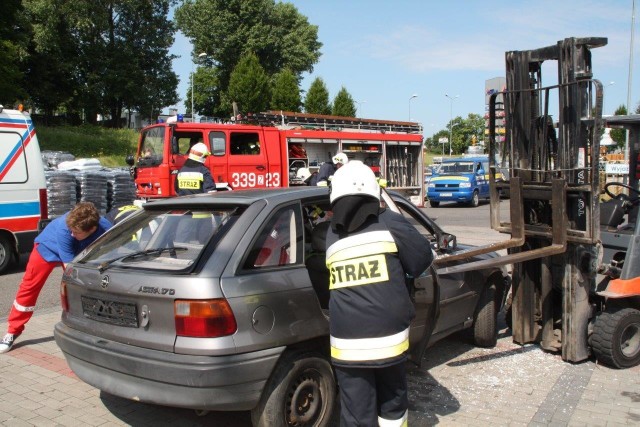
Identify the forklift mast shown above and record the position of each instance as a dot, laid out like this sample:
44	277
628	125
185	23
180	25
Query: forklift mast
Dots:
551	166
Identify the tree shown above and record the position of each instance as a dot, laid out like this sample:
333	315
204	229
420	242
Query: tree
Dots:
317	99
227	30
248	86
285	92
619	135
113	55
13	43
206	94
343	104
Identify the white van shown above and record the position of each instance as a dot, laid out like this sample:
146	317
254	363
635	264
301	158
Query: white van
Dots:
23	191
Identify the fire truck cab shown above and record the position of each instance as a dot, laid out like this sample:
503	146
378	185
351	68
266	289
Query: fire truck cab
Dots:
266	150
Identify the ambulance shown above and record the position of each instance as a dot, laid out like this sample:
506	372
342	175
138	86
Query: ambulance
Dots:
23	192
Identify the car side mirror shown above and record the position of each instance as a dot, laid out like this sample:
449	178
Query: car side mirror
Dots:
447	242
130	160
480	172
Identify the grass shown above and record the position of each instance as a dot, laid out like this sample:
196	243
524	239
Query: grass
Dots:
110	146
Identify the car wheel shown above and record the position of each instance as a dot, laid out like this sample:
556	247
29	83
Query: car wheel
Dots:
616	338
485	321
301	392
7	253
434	204
475	200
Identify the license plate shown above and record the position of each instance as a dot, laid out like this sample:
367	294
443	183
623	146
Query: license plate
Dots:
446	194
112	312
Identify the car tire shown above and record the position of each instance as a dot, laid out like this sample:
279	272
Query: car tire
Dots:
616	338
485	319
7	253
434	204
475	200
301	391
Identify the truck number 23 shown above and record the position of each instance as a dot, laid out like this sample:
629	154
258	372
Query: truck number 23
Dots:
248	180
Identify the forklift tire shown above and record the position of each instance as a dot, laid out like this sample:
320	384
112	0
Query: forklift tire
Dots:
485	319
616	338
434	204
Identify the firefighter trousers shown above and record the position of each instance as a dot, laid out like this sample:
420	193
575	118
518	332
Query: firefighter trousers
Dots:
35	276
373	396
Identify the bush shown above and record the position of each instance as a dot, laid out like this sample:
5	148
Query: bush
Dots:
110	146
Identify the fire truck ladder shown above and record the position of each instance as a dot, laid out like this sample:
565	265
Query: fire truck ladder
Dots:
325	122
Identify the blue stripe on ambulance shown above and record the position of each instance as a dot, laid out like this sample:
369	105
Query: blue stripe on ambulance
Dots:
19	209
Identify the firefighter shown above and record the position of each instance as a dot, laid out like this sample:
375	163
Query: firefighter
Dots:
60	241
194	177
369	252
329	168
115	215
307	177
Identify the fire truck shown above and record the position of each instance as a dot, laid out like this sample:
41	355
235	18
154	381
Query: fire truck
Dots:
266	149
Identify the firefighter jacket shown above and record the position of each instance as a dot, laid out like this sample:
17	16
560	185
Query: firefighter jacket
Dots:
194	178
370	306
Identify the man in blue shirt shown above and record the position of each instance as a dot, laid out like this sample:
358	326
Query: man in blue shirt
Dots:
58	244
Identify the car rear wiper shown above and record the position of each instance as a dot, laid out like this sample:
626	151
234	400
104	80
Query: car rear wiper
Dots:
157	251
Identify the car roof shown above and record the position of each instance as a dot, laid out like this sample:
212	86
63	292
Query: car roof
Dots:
241	197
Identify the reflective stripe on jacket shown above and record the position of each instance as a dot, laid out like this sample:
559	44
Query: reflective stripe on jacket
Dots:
370	306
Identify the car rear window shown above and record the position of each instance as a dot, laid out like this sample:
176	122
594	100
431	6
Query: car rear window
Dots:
160	240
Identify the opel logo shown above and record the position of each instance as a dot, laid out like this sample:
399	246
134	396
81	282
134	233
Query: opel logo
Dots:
104	282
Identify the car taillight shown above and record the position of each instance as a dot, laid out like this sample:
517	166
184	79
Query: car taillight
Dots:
64	302
44	208
204	319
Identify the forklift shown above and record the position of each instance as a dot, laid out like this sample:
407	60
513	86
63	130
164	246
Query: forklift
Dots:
575	288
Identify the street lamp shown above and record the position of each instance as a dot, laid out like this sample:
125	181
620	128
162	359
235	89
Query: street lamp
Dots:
193	114
604	101
412	96
451	119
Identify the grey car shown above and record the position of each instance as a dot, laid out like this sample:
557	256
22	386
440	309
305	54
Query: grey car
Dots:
219	302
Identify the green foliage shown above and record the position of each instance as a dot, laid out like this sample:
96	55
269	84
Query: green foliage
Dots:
110	146
285	92
249	86
462	134
619	136
317	99
226	30
12	45
206	92
100	57
343	104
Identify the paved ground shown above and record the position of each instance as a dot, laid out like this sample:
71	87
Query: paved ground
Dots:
457	385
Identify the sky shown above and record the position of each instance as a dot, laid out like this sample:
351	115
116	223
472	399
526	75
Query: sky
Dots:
384	52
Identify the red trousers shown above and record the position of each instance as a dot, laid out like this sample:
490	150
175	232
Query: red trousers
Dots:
35	276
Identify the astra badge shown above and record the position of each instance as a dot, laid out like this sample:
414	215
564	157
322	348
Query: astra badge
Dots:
104	282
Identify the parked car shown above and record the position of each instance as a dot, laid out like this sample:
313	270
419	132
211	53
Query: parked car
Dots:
219	302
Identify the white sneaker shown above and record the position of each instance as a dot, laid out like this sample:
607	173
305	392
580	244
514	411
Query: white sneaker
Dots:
6	343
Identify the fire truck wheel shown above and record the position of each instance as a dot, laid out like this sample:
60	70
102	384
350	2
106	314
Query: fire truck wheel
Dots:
434	204
6	254
300	392
485	321
616	337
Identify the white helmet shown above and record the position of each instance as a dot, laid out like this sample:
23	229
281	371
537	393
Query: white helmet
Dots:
354	179
340	158
198	152
303	174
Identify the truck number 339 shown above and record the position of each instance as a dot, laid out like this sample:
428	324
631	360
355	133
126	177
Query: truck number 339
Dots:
249	180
